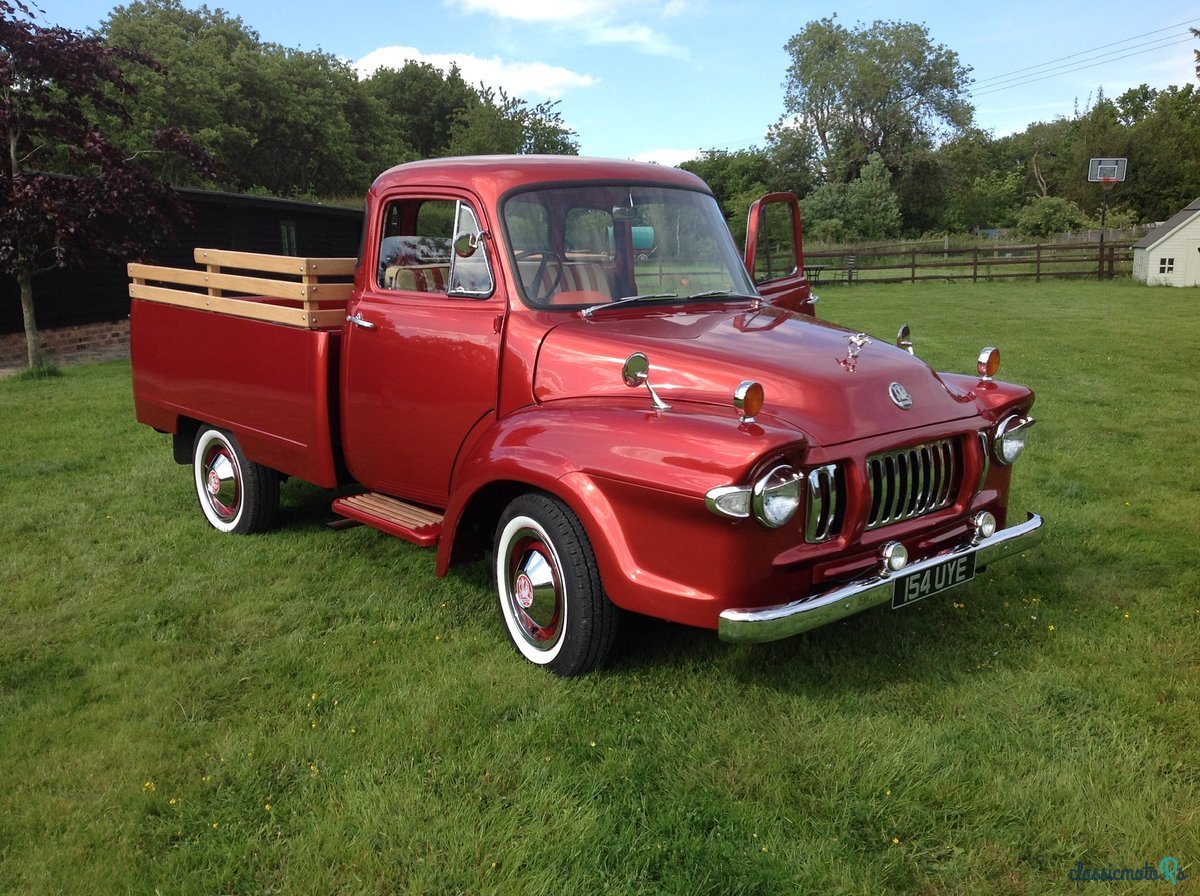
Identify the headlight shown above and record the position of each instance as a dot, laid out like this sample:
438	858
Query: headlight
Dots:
1011	436
776	496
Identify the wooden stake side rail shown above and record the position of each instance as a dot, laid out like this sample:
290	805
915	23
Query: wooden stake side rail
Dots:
306	292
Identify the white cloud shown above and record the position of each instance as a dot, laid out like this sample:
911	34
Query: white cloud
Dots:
523	79
671	156
542	10
595	21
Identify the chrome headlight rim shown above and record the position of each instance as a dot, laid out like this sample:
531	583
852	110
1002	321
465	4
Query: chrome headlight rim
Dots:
779	486
1010	438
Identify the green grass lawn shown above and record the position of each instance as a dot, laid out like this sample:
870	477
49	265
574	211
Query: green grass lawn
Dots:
315	712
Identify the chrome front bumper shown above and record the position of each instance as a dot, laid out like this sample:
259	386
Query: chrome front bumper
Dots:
743	626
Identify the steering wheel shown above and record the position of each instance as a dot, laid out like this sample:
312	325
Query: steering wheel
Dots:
549	259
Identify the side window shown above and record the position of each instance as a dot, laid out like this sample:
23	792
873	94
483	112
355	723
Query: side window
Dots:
470	273
416	252
775	249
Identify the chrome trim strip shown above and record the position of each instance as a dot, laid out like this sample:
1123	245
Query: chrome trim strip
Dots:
744	626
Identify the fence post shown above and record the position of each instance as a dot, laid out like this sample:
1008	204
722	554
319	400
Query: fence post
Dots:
975	266
913	268
1037	267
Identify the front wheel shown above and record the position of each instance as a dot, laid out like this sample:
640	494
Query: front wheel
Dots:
548	585
237	495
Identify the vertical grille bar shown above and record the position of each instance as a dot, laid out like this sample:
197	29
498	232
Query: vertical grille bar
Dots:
911	482
824	518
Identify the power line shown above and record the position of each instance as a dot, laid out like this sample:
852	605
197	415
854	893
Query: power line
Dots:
1041	71
1044	71
1070	70
1112	56
1086	52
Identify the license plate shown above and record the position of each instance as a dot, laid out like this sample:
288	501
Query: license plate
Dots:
947	574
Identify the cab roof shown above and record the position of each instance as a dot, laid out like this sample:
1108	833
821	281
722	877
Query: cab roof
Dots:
493	176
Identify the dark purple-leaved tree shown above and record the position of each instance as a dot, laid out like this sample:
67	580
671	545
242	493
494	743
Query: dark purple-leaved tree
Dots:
63	186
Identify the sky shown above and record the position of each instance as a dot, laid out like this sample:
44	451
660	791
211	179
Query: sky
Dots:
664	80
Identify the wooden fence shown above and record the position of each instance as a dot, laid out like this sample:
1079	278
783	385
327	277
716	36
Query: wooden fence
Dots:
908	265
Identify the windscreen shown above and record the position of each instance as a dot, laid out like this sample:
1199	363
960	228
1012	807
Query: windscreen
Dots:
582	246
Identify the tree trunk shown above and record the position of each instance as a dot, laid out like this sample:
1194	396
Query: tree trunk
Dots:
33	341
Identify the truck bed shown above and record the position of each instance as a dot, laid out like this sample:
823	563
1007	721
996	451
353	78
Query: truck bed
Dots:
261	366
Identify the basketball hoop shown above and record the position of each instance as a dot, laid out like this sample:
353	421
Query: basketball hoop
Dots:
1106	171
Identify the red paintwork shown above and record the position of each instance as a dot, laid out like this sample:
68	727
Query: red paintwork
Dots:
268	383
450	399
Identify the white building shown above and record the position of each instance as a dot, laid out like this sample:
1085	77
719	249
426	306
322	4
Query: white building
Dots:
1169	255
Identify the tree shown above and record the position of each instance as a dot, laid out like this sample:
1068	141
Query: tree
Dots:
54	84
1049	214
420	104
881	89
498	123
865	209
733	176
285	121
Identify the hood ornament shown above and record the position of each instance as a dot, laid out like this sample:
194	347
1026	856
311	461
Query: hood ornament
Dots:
854	345
900	396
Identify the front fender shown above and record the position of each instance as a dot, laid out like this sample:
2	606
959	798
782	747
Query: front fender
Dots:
637	480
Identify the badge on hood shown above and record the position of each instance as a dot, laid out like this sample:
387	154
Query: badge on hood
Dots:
900	396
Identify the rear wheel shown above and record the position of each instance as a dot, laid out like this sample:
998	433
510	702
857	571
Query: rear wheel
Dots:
237	495
548	585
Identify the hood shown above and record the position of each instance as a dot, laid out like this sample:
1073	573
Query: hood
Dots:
828	382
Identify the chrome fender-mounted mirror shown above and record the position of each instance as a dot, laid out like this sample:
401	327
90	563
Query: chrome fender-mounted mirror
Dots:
904	339
636	372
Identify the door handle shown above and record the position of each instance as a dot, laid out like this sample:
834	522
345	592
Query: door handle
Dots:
359	321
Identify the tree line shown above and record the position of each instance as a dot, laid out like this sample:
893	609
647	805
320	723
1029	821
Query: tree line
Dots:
877	135
298	123
877	131
878	138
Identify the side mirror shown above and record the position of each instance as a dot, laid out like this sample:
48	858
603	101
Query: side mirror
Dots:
636	372
466	245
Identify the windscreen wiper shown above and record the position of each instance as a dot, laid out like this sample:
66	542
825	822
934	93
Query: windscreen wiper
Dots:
725	294
629	300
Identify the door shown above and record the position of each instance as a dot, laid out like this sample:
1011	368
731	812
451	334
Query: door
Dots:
775	252
1191	273
421	353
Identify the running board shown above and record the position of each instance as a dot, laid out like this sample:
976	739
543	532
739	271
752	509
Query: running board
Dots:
416	524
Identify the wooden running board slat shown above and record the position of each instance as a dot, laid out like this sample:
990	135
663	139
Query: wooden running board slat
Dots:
416	524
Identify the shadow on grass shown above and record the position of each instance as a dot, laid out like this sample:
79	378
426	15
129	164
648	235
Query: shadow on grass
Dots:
932	645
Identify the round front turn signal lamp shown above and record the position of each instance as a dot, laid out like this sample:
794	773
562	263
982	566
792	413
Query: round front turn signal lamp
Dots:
748	399
988	363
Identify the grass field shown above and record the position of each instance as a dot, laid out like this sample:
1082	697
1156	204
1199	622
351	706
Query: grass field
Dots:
314	712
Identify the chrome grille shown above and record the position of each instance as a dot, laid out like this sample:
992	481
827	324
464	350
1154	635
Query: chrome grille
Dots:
912	482
824	517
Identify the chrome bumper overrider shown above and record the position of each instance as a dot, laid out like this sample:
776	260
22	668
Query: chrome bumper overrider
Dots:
741	626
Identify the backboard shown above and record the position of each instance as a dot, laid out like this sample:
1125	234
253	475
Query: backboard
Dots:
1106	171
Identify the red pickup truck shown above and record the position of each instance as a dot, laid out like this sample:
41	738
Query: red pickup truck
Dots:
500	371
